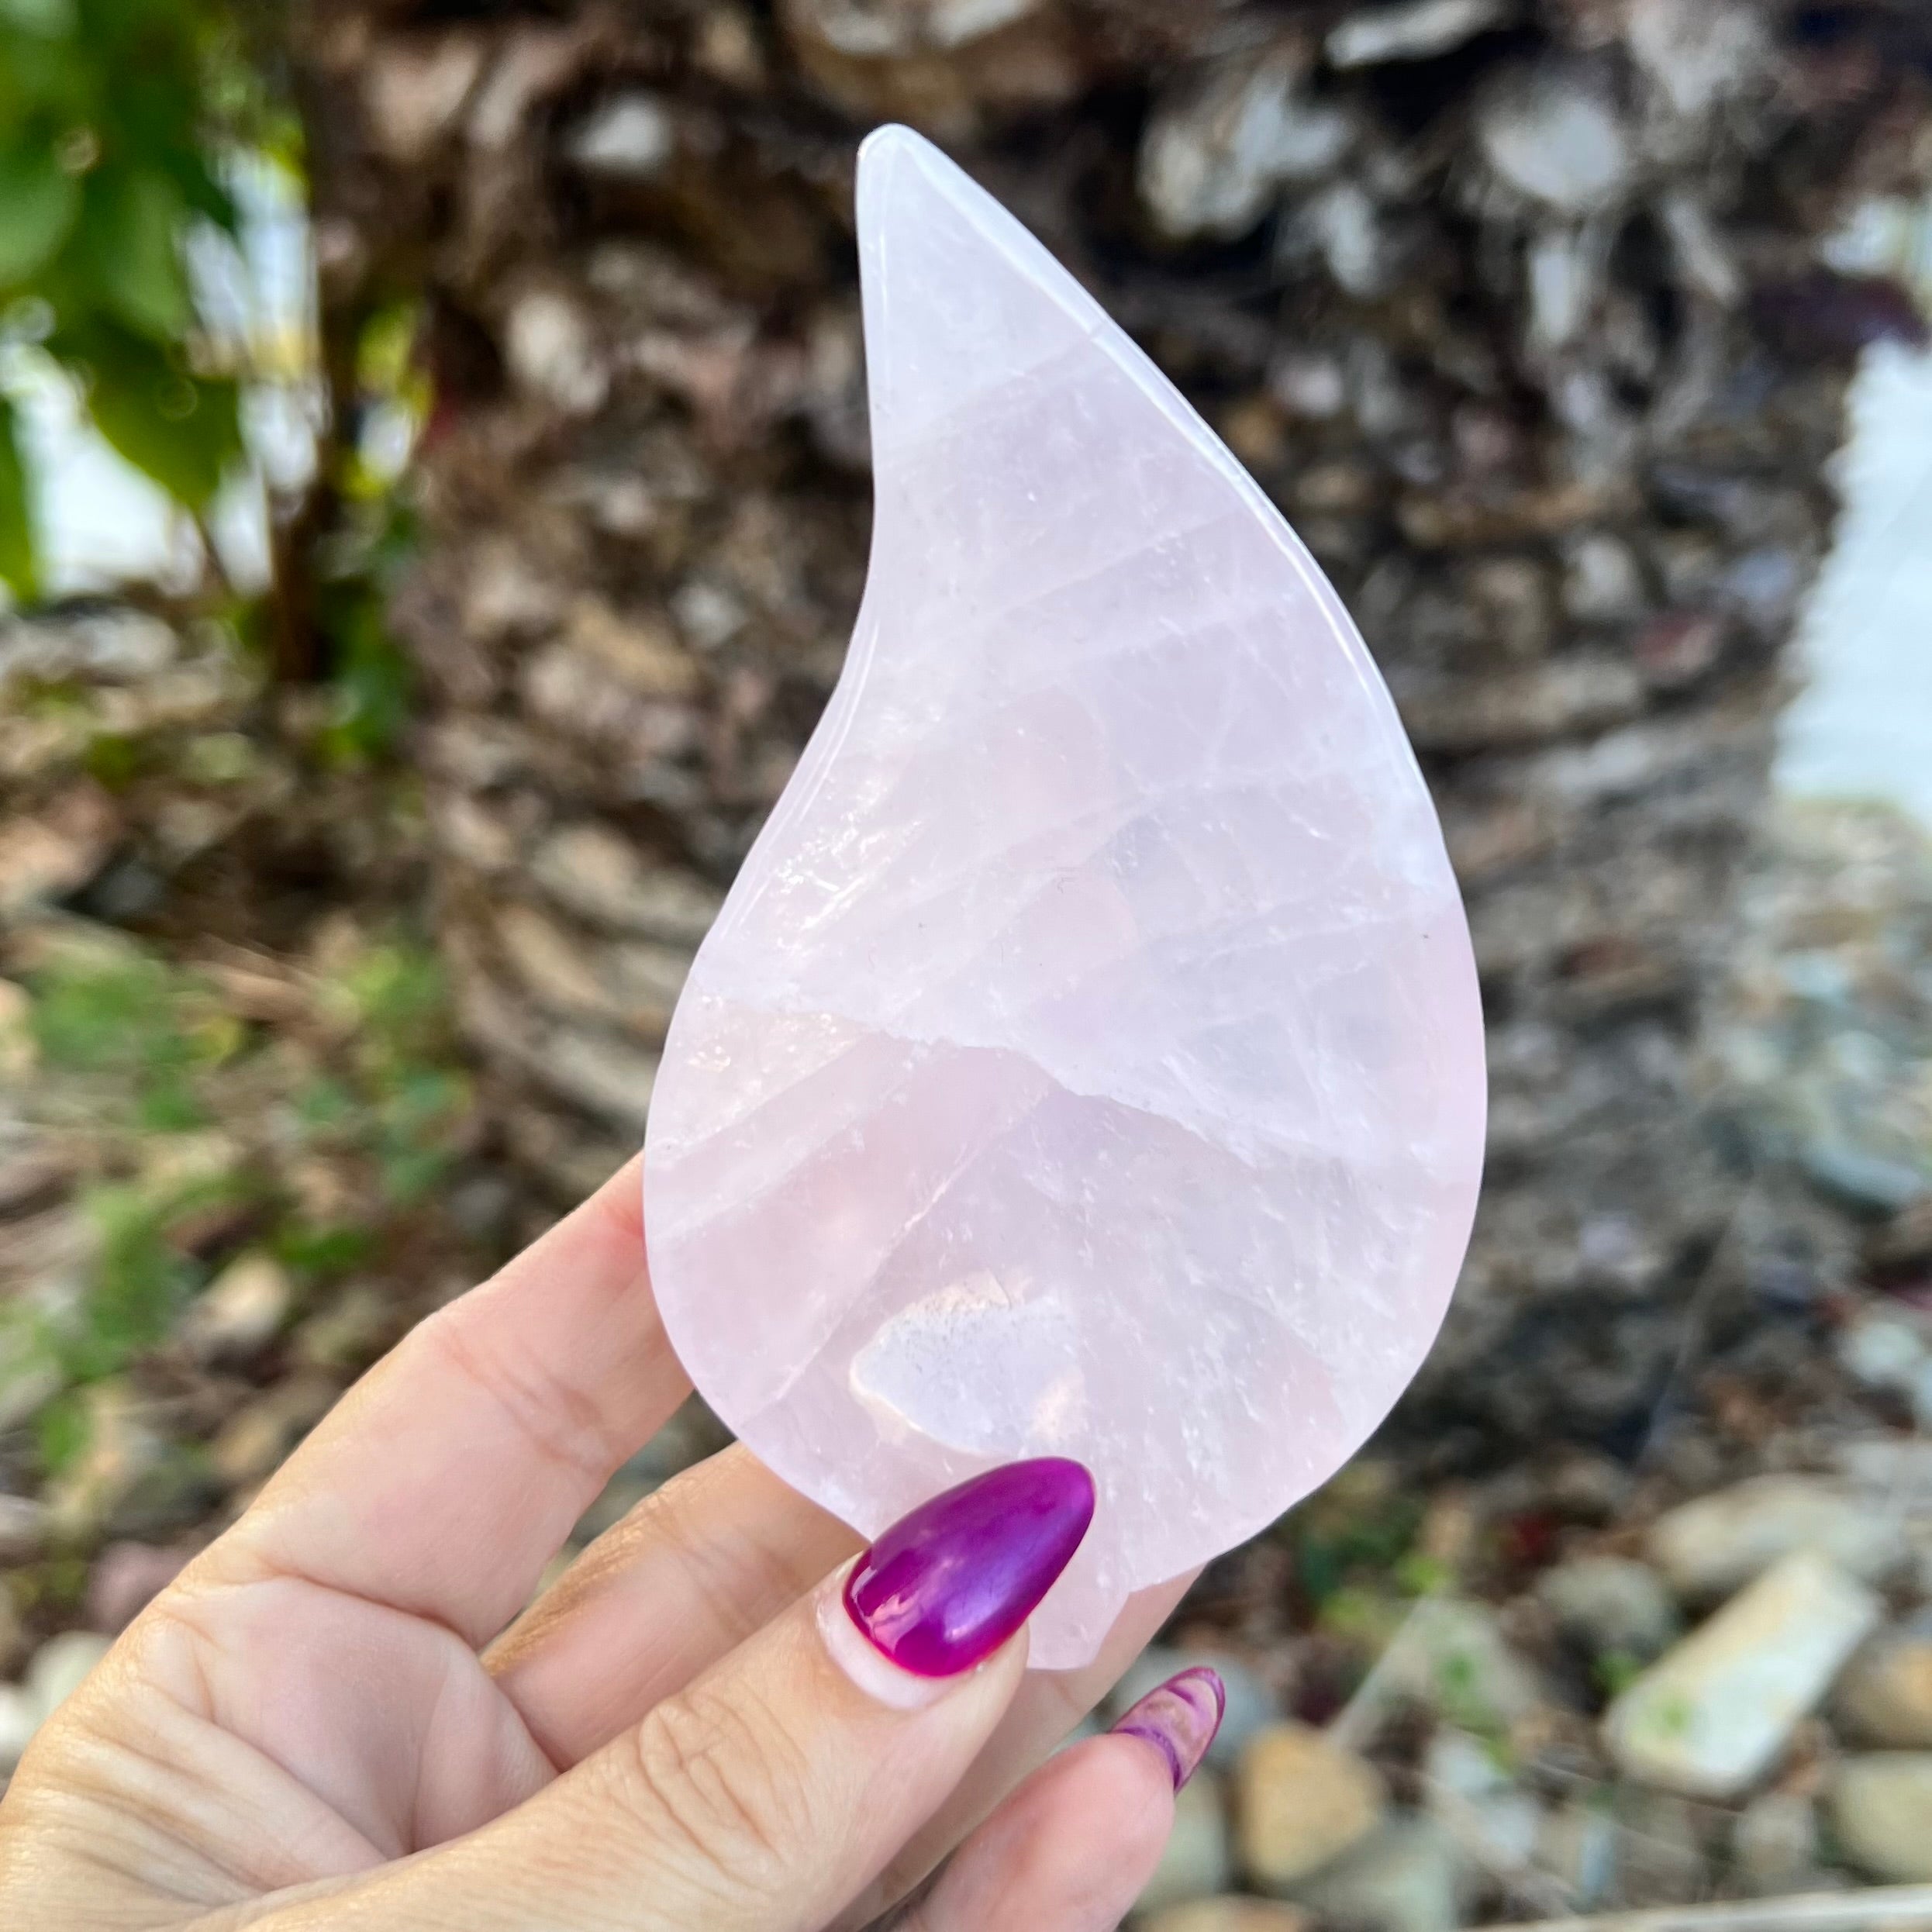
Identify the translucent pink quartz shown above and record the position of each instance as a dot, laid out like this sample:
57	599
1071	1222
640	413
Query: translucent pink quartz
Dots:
1087	1062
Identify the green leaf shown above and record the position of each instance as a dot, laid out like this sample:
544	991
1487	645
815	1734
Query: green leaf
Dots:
37	206
52	19
62	1428
16	513
133	221
182	430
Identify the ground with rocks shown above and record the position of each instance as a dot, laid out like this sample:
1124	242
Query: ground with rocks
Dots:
241	1150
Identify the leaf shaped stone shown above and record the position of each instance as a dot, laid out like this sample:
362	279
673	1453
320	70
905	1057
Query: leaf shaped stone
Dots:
1087	1060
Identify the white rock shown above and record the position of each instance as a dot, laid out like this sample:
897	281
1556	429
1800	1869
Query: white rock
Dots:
1602	581
1882	1352
1712	1545
1451	1657
1704	258
1895	1468
1347	231
630	137
502	597
242	1309
1198	1861
415	91
1566	271
866	30
1405	1878
59	1666
20	1719
1412	33
1695	55
1711	1715
1556	143
551	352
1215	153
709	614
591	871
1610	1604
525	67
1313	387
1479	1805
110	645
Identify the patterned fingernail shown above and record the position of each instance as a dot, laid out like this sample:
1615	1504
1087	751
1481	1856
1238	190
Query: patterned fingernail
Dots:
943	1587
1179	1719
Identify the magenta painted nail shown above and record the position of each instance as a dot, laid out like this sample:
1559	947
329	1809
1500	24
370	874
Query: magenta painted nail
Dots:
1179	1719
946	1585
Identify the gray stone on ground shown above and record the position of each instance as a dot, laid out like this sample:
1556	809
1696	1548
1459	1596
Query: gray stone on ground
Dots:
1882	1349
1577	1847
1300	1801
60	1665
1712	1715
20	1719
1881	1814
1418	31
56	1672
1774	1843
1451	1657
1198	1861
1406	1876
1228	1915
1611	1605
1709	1547
1660	1848
1467	1791
23	1529
1885	1697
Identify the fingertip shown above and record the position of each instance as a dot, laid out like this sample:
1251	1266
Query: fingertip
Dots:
1178	1719
1124	1789
1071	1849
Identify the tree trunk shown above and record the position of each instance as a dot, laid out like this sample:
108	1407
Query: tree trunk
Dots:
1518	311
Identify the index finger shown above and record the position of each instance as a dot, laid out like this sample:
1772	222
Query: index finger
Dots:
443	1481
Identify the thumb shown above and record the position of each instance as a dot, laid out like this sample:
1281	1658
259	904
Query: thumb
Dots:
766	1794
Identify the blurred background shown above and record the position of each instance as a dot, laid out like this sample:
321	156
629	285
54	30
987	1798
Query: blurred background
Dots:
433	500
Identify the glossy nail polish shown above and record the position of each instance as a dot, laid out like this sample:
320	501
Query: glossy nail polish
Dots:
945	1586
1179	1719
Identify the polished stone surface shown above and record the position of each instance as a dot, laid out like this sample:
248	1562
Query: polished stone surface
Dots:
1087	1060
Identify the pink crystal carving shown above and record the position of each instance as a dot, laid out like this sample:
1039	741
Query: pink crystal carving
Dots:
1087	1060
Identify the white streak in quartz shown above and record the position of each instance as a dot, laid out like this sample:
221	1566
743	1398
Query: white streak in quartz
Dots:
1088	1060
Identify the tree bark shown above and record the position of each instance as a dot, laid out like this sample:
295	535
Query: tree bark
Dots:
1517	309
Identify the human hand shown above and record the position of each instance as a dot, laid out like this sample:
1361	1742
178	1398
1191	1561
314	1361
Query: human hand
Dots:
326	1722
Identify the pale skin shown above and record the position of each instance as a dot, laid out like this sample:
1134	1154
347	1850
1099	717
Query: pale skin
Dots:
344	1714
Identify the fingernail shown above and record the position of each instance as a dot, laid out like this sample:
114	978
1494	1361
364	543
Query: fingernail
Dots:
1179	1719
945	1586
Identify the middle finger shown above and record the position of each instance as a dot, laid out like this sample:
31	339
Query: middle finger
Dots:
715	1553
686	1576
